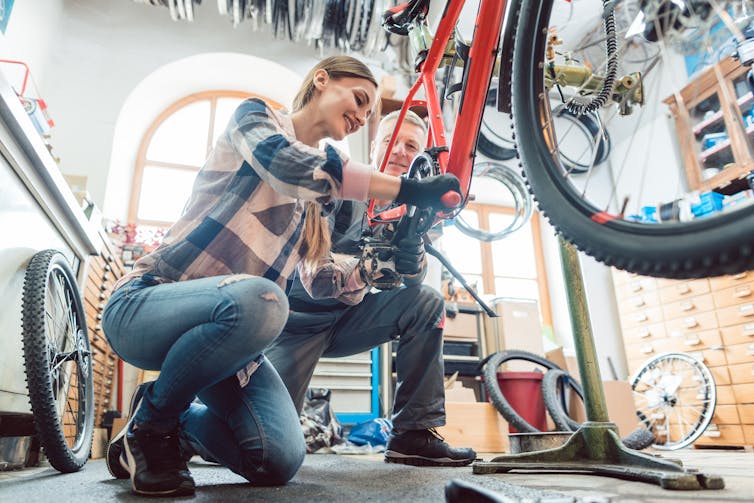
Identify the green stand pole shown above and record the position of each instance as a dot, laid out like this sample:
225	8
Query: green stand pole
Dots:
596	447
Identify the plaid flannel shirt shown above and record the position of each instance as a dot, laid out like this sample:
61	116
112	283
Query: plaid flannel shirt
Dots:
245	214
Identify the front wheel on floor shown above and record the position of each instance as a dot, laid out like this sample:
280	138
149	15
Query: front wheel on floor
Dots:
58	361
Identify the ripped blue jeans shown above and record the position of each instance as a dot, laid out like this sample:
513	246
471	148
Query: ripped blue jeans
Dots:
198	334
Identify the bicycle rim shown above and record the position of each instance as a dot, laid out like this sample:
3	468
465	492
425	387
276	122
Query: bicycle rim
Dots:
606	211
58	361
675	398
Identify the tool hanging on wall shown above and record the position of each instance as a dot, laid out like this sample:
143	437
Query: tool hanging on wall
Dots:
34	105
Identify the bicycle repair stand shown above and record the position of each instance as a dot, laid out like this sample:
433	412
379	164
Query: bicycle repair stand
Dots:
596	447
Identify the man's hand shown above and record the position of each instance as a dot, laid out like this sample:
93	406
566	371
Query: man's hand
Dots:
409	255
426	192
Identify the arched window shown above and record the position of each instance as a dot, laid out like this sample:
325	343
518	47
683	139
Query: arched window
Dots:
173	150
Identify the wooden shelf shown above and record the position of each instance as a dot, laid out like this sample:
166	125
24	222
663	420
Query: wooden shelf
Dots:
700	128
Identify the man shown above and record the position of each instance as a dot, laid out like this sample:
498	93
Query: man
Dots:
346	319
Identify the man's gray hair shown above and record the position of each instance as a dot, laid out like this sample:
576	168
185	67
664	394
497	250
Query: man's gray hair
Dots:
411	117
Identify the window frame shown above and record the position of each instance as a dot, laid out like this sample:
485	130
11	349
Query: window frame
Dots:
141	156
488	270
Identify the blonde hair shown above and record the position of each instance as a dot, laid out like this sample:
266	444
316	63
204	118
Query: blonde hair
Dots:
316	228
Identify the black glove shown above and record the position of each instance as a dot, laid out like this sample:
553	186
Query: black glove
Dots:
426	192
409	257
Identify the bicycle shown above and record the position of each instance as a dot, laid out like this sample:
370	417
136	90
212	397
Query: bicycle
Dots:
58	361
542	68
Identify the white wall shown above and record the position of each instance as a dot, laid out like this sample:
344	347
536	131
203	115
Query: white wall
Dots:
28	37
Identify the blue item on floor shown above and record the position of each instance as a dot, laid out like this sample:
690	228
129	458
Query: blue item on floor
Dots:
373	432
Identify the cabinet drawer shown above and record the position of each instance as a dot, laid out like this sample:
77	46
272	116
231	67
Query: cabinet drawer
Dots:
693	323
642	317
738	334
648	349
740	353
711	357
621	278
746	412
725	395
694	341
645	333
636	302
688	307
742	374
735	315
722	434
723	282
638	286
721	375
748	433
725	414
684	289
738	294
743	392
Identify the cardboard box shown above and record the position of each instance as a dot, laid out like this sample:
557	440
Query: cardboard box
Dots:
621	408
118	424
461	327
517	326
477	425
99	443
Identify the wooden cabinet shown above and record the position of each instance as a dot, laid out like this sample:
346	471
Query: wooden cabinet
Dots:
103	271
712	319
714	119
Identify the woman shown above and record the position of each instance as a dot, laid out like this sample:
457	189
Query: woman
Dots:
203	305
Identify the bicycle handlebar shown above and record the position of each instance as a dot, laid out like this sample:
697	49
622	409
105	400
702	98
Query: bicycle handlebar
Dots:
451	199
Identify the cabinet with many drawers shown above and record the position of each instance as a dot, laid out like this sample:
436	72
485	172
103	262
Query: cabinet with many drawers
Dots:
713	320
103	271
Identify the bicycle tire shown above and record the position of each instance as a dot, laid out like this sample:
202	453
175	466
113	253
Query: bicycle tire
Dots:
490	365
58	365
554	400
671	399
717	245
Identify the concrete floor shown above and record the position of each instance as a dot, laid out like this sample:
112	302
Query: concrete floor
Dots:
333	478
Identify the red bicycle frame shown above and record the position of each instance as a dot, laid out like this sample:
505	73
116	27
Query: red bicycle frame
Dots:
458	159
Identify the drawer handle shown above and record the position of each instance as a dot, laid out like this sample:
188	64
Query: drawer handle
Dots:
746	310
744	291
711	433
691	322
740	275
646	349
692	342
105	277
676	333
719	347
102	296
748	329
750	349
687	306
683	289
644	333
97	327
752	369
637	301
636	286
103	287
639	317
108	268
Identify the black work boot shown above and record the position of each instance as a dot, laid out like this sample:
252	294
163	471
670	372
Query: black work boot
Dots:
425	448
156	464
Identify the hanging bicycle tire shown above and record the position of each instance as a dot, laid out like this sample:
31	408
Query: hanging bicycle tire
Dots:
675	398
612	221
58	361
490	366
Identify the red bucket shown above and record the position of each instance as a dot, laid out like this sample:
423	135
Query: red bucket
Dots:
523	391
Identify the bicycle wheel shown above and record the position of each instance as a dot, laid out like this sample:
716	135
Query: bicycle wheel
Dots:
58	361
675	398
490	366
612	213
